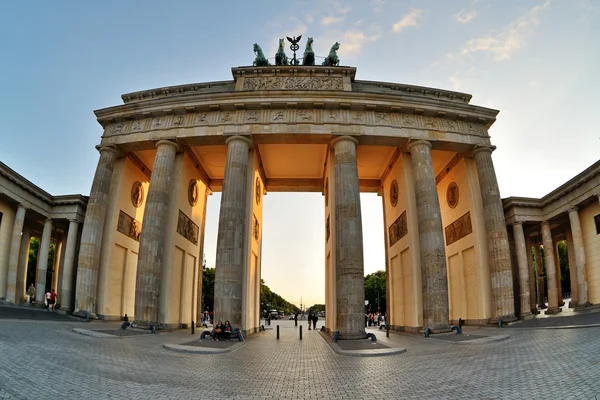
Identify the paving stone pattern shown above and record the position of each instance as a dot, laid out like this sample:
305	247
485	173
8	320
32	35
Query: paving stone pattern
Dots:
45	359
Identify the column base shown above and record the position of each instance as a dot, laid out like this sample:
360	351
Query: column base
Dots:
352	336
525	315
436	329
582	306
83	314
542	306
505	319
148	325
535	311
573	304
553	310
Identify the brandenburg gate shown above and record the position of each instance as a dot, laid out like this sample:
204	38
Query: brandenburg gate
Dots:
295	128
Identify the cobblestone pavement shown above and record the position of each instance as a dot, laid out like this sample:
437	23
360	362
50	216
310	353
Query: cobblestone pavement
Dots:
46	359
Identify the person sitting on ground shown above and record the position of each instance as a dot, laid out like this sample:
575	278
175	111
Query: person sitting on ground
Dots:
31	294
227	331
218	331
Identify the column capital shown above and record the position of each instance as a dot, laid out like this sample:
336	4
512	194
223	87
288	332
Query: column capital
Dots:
412	145
343	138
545	223
517	223
480	149
73	220
167	142
573	209
112	149
241	138
48	219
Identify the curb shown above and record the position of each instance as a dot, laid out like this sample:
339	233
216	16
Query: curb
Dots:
94	334
361	353
201	350
485	340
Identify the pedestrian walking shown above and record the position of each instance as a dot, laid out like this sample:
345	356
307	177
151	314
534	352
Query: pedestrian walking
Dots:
315	319
310	317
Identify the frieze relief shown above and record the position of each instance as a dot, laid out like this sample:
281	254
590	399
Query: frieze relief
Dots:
255	228
187	228
398	229
299	116
293	83
129	226
458	229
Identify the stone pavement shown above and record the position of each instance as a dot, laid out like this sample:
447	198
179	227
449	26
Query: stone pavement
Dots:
46	359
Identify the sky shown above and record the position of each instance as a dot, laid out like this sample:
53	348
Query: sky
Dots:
536	61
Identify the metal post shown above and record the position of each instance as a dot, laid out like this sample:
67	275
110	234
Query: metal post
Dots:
300	332
387	330
193	326
277	332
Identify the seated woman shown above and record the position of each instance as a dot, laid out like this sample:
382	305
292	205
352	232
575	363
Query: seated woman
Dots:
218	331
227	331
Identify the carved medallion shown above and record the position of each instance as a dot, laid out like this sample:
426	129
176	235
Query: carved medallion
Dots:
258	189
137	194
394	193
452	195
193	192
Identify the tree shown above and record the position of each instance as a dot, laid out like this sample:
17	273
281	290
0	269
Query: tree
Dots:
34	247
208	289
375	291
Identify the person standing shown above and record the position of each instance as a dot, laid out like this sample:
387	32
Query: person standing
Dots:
310	317
315	319
47	301
296	318
31	294
52	300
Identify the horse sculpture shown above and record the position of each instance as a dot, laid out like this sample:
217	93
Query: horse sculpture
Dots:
309	54
280	57
332	59
260	60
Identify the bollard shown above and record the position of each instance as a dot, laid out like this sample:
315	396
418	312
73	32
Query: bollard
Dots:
193	326
277	332
427	332
300	332
387	330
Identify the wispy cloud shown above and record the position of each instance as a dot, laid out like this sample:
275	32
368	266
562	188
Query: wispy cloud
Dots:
354	40
464	17
413	18
327	21
504	43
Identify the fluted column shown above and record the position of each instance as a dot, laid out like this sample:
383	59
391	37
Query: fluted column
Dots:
23	262
150	259
497	236
431	239
532	277
553	307
539	269
42	261
582	289
229	267
12	294
572	270
523	269
349	269
91	234
56	266
67	289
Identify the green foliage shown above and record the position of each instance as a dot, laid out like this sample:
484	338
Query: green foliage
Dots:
208	289
34	246
375	291
315	308
272	301
563	260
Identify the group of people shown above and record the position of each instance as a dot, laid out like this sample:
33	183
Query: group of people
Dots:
372	319
222	331
49	299
313	318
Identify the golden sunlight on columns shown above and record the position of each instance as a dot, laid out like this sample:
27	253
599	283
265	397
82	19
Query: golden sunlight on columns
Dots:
523	269
42	262
497	236
91	235
229	264
553	307
152	238
12	292
582	289
431	238
349	268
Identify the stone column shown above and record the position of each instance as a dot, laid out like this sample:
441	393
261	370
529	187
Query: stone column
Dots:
150	259
91	234
56	267
229	264
431	238
66	294
498	248
12	292
23	262
572	270
199	310
349	269
582	289
42	262
553	307
523	269
532	276
558	274
539	268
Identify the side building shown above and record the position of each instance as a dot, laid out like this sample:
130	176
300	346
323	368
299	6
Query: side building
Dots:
27	212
